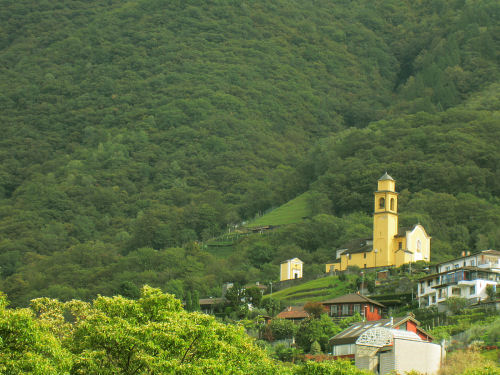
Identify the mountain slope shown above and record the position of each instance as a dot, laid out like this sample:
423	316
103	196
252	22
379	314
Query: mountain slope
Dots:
152	124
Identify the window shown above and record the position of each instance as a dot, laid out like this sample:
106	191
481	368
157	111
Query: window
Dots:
392	204
419	246
472	262
400	245
364	265
448	268
381	203
349	256
345	309
457	265
364	255
472	290
433	299
357	308
371	308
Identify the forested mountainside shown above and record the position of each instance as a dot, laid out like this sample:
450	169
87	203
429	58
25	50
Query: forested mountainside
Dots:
132	128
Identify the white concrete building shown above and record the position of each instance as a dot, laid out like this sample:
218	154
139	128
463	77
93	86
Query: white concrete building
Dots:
465	277
485	259
387	351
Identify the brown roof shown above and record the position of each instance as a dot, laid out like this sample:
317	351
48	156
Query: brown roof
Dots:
351	334
293	312
211	301
351	298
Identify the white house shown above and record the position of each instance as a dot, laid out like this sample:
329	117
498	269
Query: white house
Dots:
387	351
465	277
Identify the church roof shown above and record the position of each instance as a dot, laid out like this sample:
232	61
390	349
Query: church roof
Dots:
402	231
386	177
361	245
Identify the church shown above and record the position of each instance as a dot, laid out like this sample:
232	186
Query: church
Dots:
390	245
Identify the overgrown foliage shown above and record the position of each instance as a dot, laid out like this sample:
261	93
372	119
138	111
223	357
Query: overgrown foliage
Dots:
116	335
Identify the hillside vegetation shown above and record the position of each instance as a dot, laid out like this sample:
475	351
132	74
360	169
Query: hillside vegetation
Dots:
293	211
134	130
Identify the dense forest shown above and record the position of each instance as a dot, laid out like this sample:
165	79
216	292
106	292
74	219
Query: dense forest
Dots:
132	131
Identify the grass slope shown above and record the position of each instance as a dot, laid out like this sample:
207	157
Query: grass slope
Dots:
289	213
315	290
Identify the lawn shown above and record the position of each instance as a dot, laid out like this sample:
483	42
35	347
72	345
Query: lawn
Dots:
291	212
315	290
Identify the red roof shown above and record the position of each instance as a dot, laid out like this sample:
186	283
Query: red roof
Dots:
293	312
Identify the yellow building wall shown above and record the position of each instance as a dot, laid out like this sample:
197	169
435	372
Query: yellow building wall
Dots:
419	243
286	270
388	185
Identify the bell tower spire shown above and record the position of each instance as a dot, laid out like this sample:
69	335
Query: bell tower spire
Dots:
385	220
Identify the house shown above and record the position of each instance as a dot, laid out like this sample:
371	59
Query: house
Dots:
465	277
344	343
208	305
385	350
291	269
353	303
485	259
294	313
389	245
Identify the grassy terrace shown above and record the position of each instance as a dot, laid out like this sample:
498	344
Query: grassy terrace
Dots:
291	212
315	290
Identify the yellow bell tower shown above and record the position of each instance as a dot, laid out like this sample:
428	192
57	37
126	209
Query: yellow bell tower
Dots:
385	221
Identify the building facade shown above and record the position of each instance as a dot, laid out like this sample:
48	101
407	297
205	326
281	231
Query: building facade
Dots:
465	277
350	304
291	269
390	245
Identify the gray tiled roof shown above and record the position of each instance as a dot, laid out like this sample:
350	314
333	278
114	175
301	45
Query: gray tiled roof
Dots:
386	177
